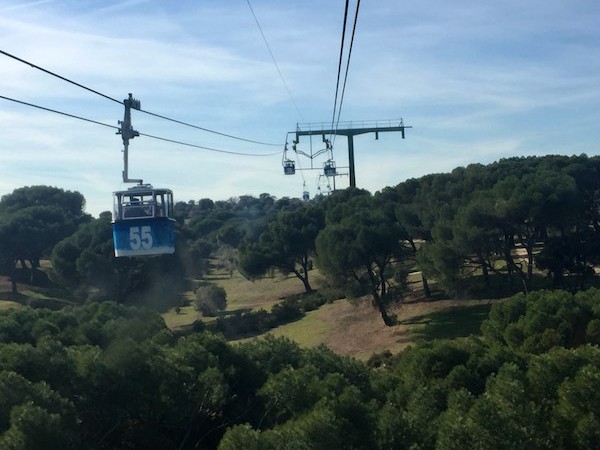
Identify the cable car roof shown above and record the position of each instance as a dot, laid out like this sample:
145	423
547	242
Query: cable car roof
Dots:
141	189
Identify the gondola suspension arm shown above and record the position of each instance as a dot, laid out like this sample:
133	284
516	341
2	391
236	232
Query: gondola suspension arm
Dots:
127	132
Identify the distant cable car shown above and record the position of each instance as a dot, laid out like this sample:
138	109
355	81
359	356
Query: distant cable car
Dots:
143	222
329	168
289	167
305	194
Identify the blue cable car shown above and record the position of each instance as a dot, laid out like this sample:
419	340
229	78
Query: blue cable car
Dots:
329	168
289	167
143	222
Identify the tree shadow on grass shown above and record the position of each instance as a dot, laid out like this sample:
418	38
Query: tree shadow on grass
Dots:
450	323
500	287
10	297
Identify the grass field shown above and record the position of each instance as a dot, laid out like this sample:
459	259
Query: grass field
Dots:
312	330
9	304
244	295
349	328
264	293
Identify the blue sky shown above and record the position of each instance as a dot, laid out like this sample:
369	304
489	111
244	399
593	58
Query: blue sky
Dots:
478	81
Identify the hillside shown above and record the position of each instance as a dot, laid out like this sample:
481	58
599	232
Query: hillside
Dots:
348	327
356	329
351	328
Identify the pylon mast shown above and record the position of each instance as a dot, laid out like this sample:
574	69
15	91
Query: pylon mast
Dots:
350	131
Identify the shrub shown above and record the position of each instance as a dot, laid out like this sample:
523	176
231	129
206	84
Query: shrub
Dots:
287	311
210	299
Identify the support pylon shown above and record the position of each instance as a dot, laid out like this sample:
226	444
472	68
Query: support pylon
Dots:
351	131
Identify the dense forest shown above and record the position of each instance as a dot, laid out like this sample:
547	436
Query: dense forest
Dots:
106	373
107	376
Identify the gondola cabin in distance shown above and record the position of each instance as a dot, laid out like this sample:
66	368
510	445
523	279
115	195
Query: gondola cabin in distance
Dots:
143	222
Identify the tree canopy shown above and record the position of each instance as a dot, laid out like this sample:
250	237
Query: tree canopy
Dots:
106	376
507	219
358	248
287	245
33	220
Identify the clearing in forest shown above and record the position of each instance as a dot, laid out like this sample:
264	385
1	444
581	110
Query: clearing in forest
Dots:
348	327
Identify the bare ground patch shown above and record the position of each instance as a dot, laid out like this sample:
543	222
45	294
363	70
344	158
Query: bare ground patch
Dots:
356	328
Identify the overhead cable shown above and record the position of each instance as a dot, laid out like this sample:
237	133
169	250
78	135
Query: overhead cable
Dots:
141	134
337	86
208	130
274	61
60	77
146	112
208	148
58	112
347	67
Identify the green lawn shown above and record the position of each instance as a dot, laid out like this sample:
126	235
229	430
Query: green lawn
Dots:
243	294
263	293
310	331
9	304
186	316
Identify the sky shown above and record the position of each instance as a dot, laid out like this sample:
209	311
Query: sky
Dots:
477	82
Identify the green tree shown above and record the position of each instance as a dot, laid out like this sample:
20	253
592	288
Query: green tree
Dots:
231	234
441	259
210	299
578	408
406	210
33	220
359	247
291	392
71	203
534	203
287	245
241	436
542	320
33	416
503	418
35	428
570	257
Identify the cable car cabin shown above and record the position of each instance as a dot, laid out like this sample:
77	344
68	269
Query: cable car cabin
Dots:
305	196
289	167
329	168
143	221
